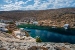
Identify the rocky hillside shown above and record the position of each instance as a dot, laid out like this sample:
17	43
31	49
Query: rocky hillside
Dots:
53	16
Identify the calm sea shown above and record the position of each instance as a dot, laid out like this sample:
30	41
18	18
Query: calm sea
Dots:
48	36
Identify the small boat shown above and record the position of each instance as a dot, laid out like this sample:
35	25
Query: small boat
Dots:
21	28
53	27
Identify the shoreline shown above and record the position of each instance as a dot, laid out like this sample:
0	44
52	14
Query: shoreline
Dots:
59	30
17	44
31	26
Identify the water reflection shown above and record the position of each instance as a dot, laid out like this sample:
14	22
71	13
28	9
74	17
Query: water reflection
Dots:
47	36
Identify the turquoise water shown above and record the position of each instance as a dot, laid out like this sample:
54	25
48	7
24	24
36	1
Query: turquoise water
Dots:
48	36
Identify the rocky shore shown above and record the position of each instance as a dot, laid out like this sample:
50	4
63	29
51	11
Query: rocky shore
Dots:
8	42
35	46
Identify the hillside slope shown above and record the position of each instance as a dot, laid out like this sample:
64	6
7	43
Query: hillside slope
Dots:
58	16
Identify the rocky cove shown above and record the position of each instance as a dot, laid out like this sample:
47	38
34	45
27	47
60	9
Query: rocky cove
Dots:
8	42
49	34
52	38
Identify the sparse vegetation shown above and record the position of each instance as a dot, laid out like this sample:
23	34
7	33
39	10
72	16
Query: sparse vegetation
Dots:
27	34
9	31
57	16
38	39
11	22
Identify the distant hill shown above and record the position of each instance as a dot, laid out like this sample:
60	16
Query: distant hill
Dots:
58	15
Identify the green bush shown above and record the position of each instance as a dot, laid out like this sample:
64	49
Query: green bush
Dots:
38	39
11	22
27	34
9	31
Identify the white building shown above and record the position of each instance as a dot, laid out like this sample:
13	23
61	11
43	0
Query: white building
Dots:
19	23
66	26
2	27
35	22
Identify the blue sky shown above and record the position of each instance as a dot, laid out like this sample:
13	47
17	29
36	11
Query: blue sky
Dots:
7	5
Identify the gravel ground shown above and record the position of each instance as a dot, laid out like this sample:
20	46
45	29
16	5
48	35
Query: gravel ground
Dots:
35	46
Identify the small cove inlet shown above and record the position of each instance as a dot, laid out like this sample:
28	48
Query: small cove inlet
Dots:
47	36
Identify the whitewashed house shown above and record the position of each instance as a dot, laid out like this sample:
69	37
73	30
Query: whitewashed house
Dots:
19	23
35	22
5	21
66	26
3	27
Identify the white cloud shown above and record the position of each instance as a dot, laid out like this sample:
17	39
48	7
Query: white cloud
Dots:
50	4
62	3
12	6
43	6
17	5
8	1
37	5
27	1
